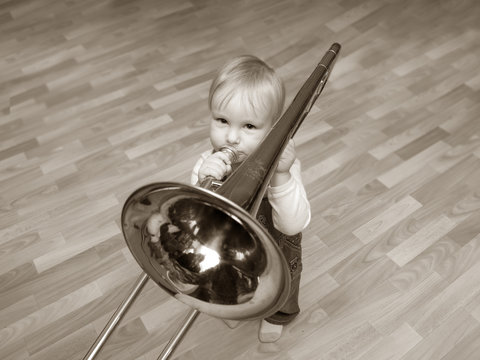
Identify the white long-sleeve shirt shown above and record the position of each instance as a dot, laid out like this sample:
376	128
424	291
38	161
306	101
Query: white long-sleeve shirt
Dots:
290	206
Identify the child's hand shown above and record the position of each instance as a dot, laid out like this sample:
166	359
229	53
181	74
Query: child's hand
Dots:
216	165
287	158
282	173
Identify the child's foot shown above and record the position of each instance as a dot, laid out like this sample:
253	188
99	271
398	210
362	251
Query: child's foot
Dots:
268	332
232	324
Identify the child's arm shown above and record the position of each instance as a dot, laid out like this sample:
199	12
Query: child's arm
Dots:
290	205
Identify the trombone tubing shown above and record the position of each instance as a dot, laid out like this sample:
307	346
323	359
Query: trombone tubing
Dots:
287	126
117	316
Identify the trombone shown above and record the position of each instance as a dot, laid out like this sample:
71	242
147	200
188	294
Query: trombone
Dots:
210	252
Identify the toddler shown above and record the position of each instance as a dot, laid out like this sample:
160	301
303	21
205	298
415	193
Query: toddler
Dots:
246	98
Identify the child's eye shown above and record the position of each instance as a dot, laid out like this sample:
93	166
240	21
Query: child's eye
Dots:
250	126
222	121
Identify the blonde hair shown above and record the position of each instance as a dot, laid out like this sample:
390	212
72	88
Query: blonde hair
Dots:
257	84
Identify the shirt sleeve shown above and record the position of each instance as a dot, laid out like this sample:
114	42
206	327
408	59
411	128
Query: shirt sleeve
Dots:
290	205
198	164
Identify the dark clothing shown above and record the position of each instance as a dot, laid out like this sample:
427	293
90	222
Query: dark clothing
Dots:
291	249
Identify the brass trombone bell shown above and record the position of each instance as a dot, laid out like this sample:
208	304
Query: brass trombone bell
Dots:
205	250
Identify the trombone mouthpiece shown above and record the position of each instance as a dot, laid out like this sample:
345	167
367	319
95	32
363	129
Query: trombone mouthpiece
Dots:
231	152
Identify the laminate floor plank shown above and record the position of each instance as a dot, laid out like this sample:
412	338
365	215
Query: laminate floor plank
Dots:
98	98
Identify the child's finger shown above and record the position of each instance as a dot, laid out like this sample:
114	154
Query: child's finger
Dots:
223	156
215	167
290	149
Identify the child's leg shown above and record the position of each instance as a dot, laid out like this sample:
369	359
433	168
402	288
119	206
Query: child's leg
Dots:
271	328
291	247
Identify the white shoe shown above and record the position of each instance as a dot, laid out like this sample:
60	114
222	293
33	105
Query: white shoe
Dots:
269	333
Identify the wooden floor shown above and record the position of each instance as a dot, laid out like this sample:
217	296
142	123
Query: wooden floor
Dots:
100	97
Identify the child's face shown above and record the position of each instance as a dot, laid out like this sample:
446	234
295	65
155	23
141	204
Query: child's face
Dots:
236	126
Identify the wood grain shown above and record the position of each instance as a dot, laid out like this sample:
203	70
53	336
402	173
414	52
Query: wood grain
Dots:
98	98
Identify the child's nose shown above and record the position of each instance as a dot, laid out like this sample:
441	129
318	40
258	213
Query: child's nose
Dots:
233	137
